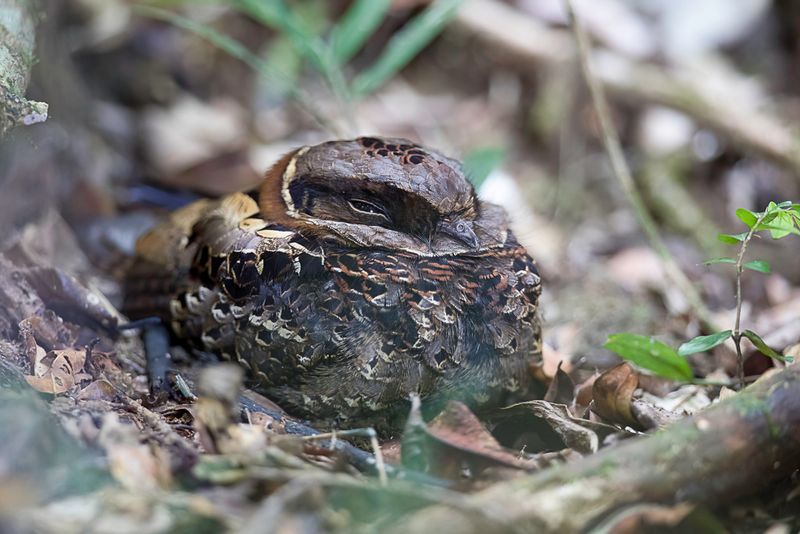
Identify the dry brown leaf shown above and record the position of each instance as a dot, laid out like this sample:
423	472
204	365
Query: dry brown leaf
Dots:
613	394
583	393
98	390
49	330
581	435
70	298
453	440
57	371
561	388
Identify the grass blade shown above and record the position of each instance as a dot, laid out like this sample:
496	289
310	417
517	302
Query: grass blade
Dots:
356	26
221	41
406	44
274	14
310	46
284	82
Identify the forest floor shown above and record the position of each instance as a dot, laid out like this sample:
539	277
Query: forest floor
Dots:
151	109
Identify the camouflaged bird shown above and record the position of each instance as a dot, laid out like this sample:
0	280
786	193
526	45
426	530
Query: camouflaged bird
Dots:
360	272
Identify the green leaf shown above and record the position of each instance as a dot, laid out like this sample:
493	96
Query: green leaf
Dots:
732	239
785	229
405	44
781	225
703	343
747	217
719	260
479	163
762	346
782	230
650	354
758	265
354	28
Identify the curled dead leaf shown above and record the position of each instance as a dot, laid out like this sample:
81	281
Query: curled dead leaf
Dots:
49	330
455	439
613	394
581	435
57	371
561	389
583	393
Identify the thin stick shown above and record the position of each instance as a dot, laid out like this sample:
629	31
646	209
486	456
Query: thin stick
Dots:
623	174
376	450
737	334
361	433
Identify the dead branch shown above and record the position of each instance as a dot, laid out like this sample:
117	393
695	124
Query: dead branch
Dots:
17	39
734	448
522	36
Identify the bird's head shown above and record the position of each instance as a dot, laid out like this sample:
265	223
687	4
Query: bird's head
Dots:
376	192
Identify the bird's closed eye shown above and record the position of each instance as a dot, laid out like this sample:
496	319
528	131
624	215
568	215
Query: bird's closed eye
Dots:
364	206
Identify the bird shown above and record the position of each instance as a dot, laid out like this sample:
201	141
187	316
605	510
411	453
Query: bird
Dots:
358	273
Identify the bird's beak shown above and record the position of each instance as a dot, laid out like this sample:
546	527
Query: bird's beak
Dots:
462	231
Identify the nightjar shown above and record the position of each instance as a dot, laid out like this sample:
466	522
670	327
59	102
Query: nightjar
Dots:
359	272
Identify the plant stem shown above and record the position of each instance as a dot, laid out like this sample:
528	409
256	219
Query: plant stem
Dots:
737	334
623	174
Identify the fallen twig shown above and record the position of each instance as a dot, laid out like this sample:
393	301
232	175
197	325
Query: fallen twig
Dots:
362	433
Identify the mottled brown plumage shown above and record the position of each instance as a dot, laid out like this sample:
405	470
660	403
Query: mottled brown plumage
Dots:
360	272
